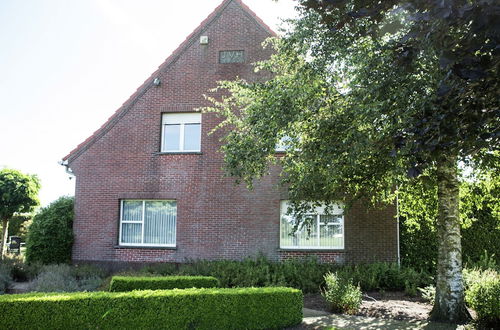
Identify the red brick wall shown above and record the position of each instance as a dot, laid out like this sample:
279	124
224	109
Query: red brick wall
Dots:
215	218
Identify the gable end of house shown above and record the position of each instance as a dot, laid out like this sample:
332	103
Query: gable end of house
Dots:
149	82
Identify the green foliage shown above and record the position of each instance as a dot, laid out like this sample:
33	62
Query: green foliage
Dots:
306	274
483	295
129	283
50	236
370	95
19	224
160	268
54	278
246	308
428	293
417	228
479	214
21	271
341	294
485	262
385	276
64	278
18	194
5	278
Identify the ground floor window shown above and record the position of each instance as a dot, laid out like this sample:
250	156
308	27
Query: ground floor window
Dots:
322	229
148	222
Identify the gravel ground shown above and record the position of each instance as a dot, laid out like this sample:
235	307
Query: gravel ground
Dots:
388	305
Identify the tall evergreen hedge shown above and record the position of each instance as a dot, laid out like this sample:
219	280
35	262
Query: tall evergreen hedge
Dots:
50	236
479	215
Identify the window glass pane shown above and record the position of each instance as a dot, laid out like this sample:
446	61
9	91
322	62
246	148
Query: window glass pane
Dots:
171	137
331	231
331	219
159	222
283	144
305	236
132	211
192	137
131	232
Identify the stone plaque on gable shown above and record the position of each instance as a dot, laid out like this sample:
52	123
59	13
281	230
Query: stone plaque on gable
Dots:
232	56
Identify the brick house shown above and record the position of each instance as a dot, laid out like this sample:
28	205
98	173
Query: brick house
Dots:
149	184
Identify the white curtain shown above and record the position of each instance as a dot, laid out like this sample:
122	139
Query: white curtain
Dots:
159	222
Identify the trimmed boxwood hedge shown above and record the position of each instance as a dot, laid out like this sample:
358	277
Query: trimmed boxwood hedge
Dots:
238	308
130	283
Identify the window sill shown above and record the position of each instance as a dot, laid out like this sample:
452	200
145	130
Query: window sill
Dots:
311	250
146	247
179	153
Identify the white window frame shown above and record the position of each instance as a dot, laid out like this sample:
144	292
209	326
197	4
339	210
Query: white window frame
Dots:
181	119
282	146
337	209
120	243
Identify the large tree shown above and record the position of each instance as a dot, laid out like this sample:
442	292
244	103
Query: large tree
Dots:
367	96
18	194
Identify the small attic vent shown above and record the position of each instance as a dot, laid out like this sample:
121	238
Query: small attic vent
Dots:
231	56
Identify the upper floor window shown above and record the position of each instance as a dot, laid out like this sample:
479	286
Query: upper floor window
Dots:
232	56
181	132
318	230
283	144
148	222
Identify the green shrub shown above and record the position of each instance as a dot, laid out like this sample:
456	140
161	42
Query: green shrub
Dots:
163	269
127	283
245	308
64	278
485	261
50	236
385	276
428	293
88	271
483	295
341	295
305	274
5	278
21	271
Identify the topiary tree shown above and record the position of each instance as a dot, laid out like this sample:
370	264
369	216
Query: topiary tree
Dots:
50	236
18	194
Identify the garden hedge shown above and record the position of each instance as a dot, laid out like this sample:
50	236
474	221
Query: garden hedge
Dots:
130	283
238	308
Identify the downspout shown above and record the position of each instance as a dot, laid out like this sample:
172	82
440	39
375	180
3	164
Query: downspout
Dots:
397	226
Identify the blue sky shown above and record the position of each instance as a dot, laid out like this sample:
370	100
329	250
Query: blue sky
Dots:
66	66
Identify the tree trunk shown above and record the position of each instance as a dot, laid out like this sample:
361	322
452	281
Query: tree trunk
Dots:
5	224
449	305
